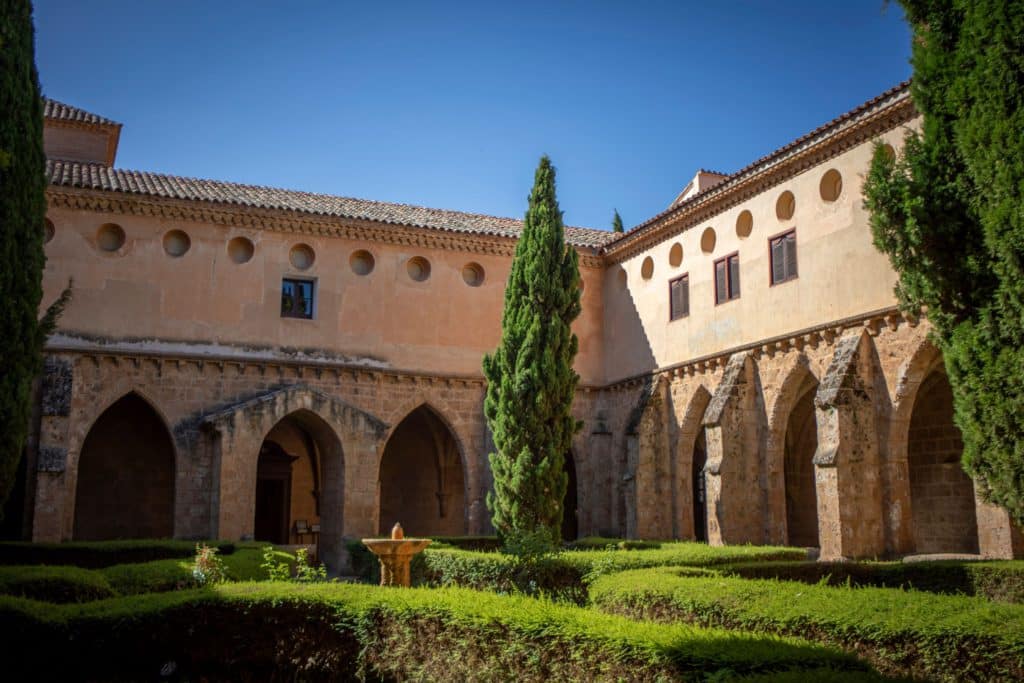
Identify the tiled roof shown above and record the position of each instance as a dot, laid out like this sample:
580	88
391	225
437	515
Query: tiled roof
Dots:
52	109
890	96
98	177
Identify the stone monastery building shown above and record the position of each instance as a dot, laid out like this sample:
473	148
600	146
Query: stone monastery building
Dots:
242	362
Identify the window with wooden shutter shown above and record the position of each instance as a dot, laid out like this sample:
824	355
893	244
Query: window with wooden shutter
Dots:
783	257
727	278
679	297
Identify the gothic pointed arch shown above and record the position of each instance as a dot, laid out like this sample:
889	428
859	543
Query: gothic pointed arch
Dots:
338	432
691	488
422	477
789	456
125	474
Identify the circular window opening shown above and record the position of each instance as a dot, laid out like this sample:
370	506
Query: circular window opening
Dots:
622	277
675	255
110	237
473	274
785	207
707	240
831	185
361	262
647	269
241	249
301	256
418	268
176	243
744	224
48	230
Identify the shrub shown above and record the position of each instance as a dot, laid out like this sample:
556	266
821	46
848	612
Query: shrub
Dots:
207	568
55	584
468	542
907	633
289	568
347	632
97	554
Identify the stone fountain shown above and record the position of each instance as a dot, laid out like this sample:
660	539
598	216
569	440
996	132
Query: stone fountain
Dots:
395	555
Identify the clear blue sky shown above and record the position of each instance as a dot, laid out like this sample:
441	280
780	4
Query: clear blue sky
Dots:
450	104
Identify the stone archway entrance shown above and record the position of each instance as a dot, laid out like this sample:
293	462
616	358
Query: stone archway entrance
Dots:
941	493
422	483
801	442
125	483
570	503
288	484
700	497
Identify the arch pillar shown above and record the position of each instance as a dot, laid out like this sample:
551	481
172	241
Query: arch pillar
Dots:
651	465
847	461
998	537
734	425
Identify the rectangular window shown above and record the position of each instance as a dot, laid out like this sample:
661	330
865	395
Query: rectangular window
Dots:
679	297
297	298
727	278
783	256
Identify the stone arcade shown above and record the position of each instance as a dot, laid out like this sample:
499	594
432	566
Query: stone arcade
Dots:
242	361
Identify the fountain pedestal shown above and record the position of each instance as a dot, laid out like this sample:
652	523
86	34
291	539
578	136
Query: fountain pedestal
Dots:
395	555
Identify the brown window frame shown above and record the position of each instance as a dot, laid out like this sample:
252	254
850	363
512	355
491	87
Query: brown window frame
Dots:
771	259
730	296
671	309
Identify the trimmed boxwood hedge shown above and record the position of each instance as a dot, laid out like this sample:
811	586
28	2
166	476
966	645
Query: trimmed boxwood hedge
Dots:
96	554
1000	580
908	633
274	631
565	575
55	584
74	584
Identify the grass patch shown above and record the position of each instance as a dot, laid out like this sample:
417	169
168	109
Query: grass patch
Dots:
343	632
602	543
97	554
907	633
1002	581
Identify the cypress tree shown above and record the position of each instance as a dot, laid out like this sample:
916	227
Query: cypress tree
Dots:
950	214
22	211
617	222
530	378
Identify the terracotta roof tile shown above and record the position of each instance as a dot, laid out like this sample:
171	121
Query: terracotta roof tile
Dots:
894	94
52	109
98	177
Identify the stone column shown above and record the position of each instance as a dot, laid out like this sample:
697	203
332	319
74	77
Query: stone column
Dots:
847	464
653	476
734	425
998	537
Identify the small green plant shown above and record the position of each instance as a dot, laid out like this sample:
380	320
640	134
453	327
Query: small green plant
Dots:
277	570
207	568
305	571
281	570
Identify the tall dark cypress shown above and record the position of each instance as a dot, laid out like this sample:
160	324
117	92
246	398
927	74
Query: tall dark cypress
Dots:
22	211
949	212
617	222
530	378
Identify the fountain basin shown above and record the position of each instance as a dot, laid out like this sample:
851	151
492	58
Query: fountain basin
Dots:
395	556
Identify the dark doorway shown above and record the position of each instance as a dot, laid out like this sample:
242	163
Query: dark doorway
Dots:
125	475
421	480
700	490
941	493
801	495
273	493
570	503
